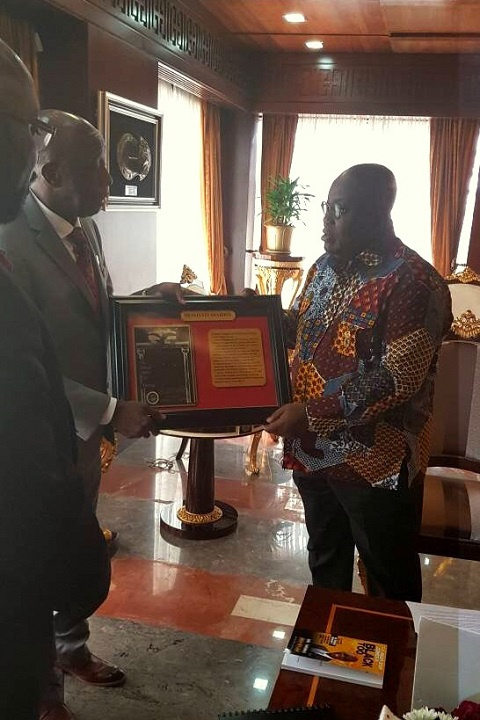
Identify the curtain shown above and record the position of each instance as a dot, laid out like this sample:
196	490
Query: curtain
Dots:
278	138
326	145
20	35
181	236
452	153
212	196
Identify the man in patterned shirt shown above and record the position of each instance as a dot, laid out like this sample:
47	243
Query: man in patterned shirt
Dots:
369	323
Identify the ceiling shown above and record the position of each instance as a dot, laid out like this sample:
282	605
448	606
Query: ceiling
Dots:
398	26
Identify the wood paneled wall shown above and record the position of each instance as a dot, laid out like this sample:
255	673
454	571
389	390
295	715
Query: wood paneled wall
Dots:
378	84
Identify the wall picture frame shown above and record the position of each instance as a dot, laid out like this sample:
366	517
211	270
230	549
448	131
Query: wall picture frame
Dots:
211	362
132	134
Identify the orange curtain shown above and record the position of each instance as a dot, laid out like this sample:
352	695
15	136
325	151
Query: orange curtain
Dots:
452	153
212	197
278	139
20	35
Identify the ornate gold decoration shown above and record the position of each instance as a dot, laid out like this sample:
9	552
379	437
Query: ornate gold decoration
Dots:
199	518
466	326
188	276
272	275
108	451
467	277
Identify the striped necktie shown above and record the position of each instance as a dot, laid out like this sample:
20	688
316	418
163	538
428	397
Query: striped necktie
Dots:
84	259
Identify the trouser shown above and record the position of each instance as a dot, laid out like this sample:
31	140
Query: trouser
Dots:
382	524
25	658
71	634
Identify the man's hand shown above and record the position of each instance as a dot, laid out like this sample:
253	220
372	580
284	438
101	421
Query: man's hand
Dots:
167	291
133	419
288	421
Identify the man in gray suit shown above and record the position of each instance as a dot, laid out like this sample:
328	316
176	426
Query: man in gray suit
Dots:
56	253
52	553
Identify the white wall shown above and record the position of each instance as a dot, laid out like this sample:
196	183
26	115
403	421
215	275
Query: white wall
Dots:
129	243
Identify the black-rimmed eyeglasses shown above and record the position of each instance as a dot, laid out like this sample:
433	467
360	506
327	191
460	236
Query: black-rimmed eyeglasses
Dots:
336	208
41	131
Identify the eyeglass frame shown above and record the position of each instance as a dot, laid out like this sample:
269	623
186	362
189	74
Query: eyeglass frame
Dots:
336	208
36	127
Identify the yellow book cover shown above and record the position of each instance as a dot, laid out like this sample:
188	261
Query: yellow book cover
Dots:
345	658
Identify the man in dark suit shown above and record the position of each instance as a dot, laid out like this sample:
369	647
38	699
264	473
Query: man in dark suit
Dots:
52	552
56	252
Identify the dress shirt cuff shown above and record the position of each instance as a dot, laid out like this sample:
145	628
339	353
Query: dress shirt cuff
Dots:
108	414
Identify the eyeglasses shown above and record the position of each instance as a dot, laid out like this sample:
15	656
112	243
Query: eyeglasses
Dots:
336	208
41	132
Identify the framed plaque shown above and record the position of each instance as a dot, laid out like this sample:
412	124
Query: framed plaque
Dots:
132	135
211	362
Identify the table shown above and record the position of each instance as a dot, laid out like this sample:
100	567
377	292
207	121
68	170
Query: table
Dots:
199	516
363	617
272	270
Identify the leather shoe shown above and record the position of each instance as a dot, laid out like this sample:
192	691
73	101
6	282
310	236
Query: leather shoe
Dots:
95	672
55	710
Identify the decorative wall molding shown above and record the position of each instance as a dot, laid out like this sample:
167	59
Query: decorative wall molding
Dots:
371	83
174	25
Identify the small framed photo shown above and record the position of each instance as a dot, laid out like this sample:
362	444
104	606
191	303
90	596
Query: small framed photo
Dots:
132	135
213	361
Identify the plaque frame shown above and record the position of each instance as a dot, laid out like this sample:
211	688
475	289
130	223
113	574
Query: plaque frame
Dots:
215	406
117	116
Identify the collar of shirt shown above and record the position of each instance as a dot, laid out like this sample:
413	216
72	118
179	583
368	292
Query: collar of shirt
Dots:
62	227
367	258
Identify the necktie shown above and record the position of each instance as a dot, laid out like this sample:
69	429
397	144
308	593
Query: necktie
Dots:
84	259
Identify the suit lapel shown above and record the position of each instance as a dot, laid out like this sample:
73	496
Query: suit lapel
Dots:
50	242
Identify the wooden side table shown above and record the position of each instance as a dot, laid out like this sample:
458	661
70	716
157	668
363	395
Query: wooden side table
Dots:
200	516
272	270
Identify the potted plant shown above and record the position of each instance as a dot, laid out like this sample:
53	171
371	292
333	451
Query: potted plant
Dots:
285	201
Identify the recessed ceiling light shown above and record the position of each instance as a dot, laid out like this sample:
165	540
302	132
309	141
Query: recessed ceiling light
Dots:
294	17
314	44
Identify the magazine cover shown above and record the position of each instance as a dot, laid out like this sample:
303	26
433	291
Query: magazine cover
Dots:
345	658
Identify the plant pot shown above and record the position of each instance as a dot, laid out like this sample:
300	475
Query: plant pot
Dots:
278	238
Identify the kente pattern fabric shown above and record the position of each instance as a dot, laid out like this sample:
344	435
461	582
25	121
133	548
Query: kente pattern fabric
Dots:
83	256
367	340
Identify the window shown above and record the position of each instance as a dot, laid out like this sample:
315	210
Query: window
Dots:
463	245
328	144
181	232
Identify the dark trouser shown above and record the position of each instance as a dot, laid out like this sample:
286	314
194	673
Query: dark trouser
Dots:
382	524
71	635
24	666
72	632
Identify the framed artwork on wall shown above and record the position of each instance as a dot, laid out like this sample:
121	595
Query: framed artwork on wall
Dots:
213	361
132	135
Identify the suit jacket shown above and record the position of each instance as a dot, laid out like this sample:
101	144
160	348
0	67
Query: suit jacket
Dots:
43	267
52	551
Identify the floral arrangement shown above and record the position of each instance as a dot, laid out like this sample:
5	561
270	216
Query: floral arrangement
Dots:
467	710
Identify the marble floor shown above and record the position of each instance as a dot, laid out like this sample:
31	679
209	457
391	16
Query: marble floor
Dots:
199	626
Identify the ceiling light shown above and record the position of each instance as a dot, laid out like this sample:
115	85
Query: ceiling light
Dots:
314	44
294	17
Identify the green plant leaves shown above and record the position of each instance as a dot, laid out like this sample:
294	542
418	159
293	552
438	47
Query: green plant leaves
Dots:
285	200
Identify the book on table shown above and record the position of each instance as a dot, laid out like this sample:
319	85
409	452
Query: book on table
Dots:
336	656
